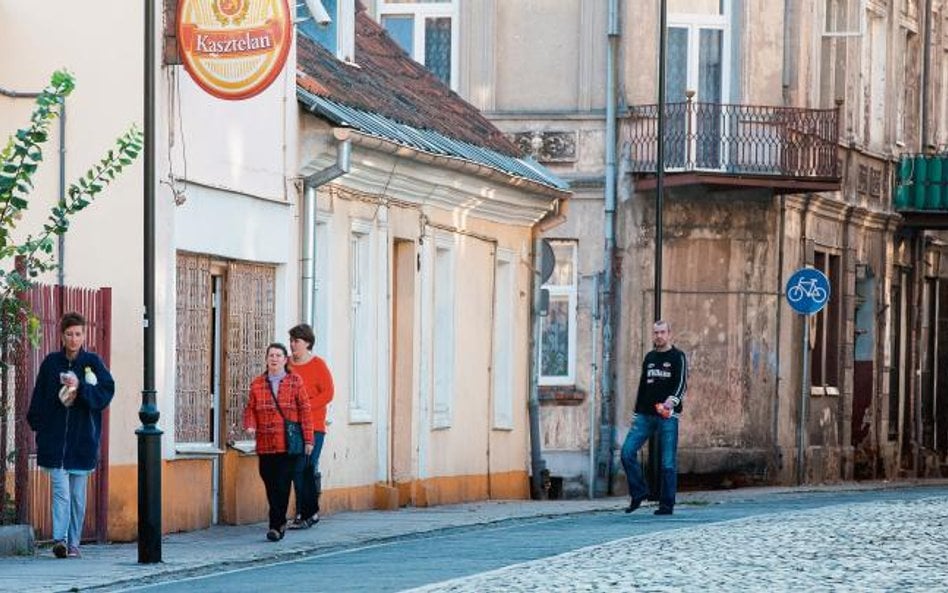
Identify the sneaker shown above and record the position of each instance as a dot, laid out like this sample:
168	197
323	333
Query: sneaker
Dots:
297	524
59	549
634	504
664	511
274	535
73	552
307	523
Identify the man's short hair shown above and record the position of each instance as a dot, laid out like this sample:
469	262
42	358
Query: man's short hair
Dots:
303	332
71	319
660	323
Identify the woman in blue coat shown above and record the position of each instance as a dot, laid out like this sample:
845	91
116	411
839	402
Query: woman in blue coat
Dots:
72	388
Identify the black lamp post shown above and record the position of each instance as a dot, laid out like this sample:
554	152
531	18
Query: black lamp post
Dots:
149	435
654	445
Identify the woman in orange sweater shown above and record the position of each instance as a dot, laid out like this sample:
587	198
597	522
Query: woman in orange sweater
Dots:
307	481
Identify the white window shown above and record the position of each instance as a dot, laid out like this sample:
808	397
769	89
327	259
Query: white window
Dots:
874	82
503	340
443	343
844	18
427	31
558	327
362	329
698	42
337	34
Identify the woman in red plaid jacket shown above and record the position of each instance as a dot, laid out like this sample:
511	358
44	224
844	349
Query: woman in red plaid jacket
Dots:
263	421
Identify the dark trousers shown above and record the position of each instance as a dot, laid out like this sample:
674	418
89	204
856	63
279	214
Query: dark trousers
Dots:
306	479
276	471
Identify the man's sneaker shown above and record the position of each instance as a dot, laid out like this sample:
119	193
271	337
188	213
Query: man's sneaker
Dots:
73	552
634	504
297	523
59	549
664	511
274	535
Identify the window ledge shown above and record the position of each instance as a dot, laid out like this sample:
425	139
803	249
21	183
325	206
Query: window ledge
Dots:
196	450
245	447
824	390
567	395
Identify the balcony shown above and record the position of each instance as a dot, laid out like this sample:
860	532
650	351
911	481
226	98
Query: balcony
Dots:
921	191
727	146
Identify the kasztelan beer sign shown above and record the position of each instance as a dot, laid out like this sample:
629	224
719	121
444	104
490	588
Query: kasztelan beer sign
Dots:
234	49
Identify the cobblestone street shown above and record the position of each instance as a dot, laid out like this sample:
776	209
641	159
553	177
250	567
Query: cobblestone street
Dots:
873	546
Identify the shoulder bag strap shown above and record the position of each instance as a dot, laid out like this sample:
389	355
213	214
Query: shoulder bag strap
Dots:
276	402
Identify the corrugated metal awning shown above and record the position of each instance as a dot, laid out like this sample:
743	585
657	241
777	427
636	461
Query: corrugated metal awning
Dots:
428	141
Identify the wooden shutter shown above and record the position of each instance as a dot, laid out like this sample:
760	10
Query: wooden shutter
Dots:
250	298
193	398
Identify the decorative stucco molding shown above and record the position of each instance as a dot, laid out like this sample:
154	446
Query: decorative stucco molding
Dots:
547	146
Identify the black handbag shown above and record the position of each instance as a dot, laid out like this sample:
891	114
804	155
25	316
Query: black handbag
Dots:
292	430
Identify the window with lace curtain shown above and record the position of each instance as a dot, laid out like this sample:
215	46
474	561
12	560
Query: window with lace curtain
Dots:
427	31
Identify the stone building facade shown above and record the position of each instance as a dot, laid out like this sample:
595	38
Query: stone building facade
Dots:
786	124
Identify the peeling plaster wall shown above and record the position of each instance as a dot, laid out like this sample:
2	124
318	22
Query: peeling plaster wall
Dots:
720	294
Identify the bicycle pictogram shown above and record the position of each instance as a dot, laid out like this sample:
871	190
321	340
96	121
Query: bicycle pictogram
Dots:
806	288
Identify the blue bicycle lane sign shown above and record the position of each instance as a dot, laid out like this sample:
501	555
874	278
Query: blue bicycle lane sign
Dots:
808	291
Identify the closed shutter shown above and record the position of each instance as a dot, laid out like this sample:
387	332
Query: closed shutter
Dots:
193	397
250	298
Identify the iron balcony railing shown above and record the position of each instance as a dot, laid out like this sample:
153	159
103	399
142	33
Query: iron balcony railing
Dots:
737	139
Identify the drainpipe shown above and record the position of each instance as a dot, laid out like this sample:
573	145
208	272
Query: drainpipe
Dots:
342	166
775	428
916	390
607	404
926	74
538	471
61	247
539	476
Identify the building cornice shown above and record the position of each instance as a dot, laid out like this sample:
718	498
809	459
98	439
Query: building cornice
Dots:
386	169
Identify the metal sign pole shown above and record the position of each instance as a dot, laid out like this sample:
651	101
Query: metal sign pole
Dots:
807	291
804	401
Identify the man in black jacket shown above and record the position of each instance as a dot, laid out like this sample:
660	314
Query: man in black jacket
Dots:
662	387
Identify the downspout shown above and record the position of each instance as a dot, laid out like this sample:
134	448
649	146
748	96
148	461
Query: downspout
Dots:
916	391
919	249
608	404
539	475
926	74
342	166
61	247
775	434
538	472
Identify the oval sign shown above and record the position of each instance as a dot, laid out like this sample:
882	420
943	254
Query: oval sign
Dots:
234	49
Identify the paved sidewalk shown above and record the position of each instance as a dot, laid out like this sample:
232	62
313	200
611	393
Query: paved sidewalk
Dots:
104	566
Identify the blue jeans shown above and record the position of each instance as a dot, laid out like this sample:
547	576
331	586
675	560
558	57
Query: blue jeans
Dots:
69	504
643	426
307	492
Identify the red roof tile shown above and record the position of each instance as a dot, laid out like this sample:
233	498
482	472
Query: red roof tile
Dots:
388	82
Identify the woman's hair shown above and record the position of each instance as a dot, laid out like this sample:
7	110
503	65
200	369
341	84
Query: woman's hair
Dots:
281	348
303	332
71	319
